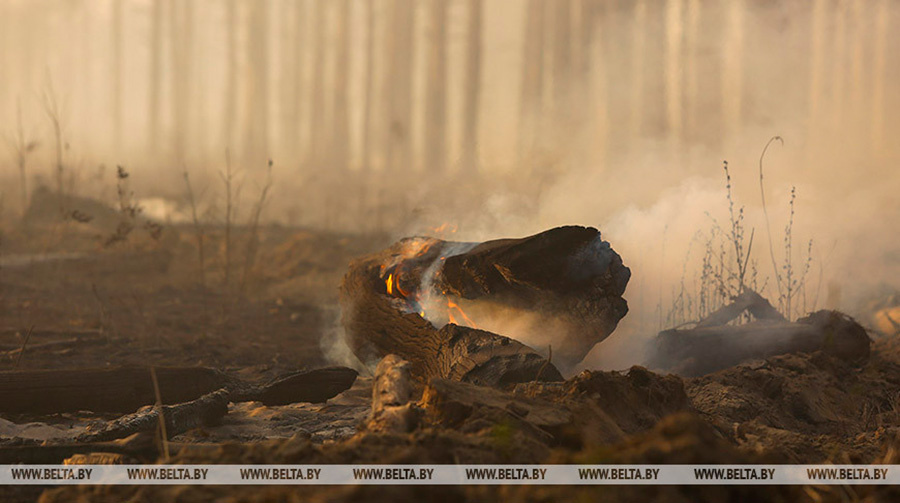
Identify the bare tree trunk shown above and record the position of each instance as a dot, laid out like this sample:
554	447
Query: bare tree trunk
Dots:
692	78
369	87
583	97
587	12
472	88
878	76
674	76
341	120
198	133
562	58
436	94
401	51
531	98
257	138
639	29
291	75
116	77
4	55
153	104
230	105
181	14
318	149
732	80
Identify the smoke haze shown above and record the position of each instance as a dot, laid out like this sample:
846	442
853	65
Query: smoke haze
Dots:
500	118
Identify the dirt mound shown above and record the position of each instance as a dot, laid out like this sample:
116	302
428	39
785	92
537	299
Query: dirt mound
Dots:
807	407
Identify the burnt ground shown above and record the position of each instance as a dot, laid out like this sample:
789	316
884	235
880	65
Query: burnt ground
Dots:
143	301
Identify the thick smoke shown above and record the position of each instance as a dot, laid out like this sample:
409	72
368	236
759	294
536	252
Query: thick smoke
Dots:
632	141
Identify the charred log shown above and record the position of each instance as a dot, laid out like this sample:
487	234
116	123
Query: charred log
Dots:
706	348
567	276
748	301
204	411
315	386
129	388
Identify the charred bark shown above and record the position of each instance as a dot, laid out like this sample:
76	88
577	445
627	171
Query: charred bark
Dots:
708	348
392	392
568	275
204	411
314	386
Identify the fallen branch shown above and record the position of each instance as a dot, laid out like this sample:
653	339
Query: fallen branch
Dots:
204	411
749	301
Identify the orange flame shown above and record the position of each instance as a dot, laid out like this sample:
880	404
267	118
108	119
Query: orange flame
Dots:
453	306
444	228
390	284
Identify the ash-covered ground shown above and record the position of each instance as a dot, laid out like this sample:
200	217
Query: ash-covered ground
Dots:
145	302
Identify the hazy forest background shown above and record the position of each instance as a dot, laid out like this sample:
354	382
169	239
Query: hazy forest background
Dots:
496	117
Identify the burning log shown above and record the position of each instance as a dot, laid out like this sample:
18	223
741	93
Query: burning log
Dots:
708	348
427	300
129	388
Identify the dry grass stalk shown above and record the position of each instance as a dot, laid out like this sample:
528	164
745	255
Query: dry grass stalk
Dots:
21	147
163	436
24	345
253	239
198	229
52	109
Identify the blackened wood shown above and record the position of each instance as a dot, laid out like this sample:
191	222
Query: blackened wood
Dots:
702	350
749	301
567	275
204	411
316	386
128	388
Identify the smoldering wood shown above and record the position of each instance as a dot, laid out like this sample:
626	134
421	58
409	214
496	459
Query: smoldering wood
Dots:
748	301
377	325
315	386
392	391
567	274
207	410
126	389
705	349
393	384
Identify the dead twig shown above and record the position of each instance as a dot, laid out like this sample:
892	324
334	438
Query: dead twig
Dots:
762	195
24	345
